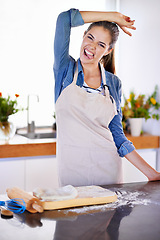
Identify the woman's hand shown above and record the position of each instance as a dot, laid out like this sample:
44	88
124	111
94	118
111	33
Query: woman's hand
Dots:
156	177
124	22
134	158
121	20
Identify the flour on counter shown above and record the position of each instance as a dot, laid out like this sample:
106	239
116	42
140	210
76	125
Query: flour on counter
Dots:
124	198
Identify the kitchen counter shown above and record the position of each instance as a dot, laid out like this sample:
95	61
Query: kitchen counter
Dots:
21	146
135	215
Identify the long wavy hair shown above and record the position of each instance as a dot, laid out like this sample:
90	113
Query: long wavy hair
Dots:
108	61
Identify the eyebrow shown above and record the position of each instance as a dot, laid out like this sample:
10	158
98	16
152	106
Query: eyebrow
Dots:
94	38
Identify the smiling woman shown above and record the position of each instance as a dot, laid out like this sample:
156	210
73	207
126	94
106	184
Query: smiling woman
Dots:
91	142
96	43
104	35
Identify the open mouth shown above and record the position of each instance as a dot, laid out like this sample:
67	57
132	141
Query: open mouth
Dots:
88	54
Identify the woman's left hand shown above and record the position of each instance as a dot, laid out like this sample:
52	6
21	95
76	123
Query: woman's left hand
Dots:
124	22
156	177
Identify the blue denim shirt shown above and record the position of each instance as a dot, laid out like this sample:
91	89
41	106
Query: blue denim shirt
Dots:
64	67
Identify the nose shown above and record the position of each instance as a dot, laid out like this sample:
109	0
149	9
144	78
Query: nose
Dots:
93	46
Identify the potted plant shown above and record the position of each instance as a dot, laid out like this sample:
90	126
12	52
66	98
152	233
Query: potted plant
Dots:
137	108
7	108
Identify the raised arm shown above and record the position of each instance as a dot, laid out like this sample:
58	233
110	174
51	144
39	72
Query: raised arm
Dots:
123	21
73	18
65	21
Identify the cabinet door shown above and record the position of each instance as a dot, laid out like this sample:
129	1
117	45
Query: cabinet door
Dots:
12	174
41	172
131	173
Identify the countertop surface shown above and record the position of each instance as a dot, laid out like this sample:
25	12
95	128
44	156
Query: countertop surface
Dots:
21	146
134	216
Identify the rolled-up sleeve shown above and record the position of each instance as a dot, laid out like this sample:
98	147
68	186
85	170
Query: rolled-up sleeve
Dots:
126	147
76	18
123	145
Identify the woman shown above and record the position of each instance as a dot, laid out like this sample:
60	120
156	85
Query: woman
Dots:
90	138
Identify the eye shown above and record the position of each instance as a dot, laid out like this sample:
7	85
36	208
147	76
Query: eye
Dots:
101	45
90	37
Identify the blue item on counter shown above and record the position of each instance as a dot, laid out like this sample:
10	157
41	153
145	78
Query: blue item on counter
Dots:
16	205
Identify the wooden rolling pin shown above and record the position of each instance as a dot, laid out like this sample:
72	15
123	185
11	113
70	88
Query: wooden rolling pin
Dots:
33	204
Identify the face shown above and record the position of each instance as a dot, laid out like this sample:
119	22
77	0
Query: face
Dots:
95	45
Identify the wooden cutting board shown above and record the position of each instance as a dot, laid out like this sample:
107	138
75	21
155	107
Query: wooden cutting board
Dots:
88	195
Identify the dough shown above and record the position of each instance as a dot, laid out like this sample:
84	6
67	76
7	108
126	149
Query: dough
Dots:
59	194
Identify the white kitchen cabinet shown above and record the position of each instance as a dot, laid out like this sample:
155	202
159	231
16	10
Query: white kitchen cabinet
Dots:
12	173
41	172
28	173
131	173
158	160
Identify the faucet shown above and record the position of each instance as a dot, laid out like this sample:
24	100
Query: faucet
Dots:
30	126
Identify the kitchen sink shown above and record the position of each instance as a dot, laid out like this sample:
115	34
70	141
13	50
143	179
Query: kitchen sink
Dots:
38	133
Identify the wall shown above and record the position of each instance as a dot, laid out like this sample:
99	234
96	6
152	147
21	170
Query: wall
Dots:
26	45
139	55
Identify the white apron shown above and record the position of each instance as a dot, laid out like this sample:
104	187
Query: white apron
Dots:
86	152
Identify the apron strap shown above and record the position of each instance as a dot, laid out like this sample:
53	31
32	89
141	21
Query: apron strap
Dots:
106	89
104	80
103	77
75	74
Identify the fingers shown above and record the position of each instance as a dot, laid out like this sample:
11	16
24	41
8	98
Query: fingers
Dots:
126	31
125	23
128	19
131	27
128	24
